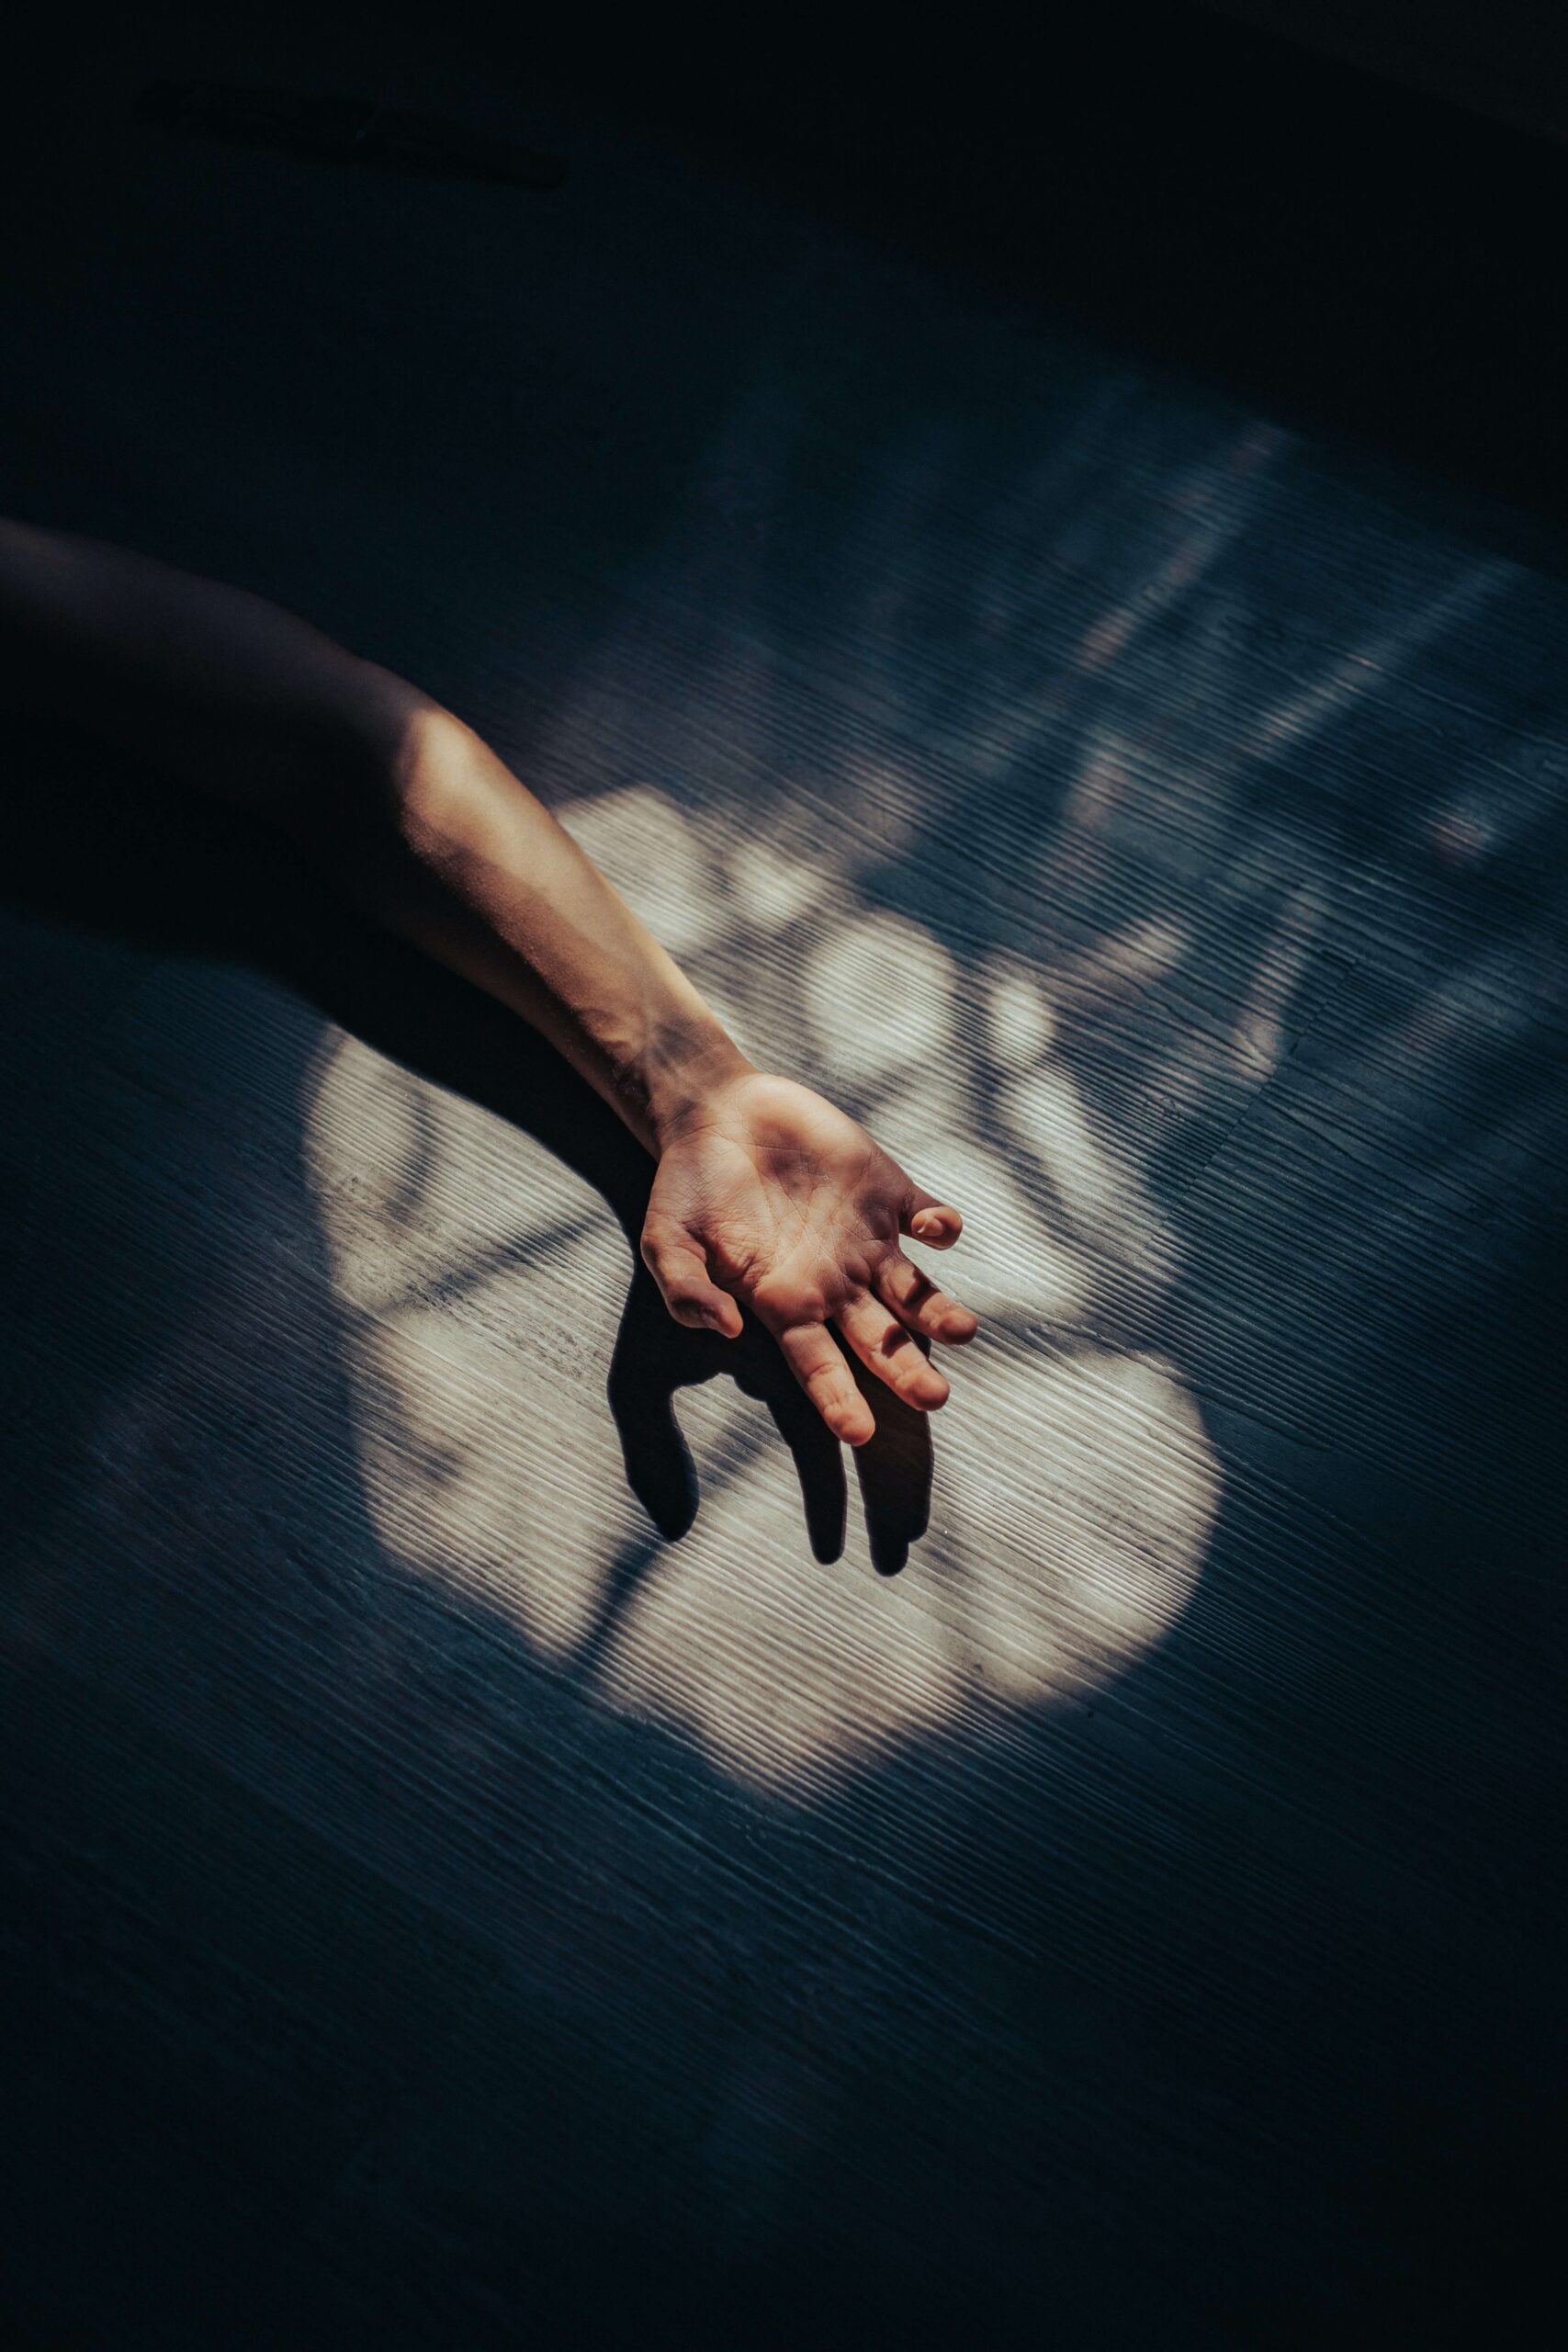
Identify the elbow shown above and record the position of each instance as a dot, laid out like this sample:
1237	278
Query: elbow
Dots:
340	777
392	729
426	764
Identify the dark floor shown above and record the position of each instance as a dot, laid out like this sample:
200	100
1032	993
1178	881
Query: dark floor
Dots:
438	1907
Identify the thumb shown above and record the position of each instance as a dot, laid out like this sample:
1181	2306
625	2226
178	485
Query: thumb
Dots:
680	1269
925	1218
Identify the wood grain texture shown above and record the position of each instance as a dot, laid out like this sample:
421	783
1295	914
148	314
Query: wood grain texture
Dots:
443	1909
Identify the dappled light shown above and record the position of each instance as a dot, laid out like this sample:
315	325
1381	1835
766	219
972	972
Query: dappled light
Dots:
1075	1489
1052	988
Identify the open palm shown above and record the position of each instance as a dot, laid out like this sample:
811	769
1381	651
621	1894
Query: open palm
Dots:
768	1196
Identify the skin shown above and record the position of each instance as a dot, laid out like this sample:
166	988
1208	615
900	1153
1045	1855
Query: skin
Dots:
765	1195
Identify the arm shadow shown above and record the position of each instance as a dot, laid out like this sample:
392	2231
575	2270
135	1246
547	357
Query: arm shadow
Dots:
101	843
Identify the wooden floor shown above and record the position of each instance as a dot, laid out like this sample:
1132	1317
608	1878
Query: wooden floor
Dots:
496	1852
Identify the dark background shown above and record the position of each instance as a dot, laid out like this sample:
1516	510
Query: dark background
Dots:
364	1982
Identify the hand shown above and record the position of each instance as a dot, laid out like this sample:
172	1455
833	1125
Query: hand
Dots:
767	1195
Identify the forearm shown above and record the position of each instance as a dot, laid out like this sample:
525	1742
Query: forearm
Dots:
417	819
482	877
765	1197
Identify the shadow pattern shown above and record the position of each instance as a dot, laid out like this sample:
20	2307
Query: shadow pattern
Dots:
394	1945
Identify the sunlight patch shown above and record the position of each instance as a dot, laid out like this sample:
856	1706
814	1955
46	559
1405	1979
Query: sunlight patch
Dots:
483	1284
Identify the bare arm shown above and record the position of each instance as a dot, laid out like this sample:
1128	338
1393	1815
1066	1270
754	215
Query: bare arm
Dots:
763	1192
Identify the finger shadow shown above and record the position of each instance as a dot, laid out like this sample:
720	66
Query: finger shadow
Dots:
894	1468
655	1358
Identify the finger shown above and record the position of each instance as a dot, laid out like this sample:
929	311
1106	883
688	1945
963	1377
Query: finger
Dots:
919	1305
820	1367
680	1270
925	1218
886	1349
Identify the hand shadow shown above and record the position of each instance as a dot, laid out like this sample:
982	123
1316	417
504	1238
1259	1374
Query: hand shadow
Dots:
654	1356
98	841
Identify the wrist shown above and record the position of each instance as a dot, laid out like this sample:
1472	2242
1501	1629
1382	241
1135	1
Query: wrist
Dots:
687	1063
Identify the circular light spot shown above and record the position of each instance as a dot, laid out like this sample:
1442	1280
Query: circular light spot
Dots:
879	997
